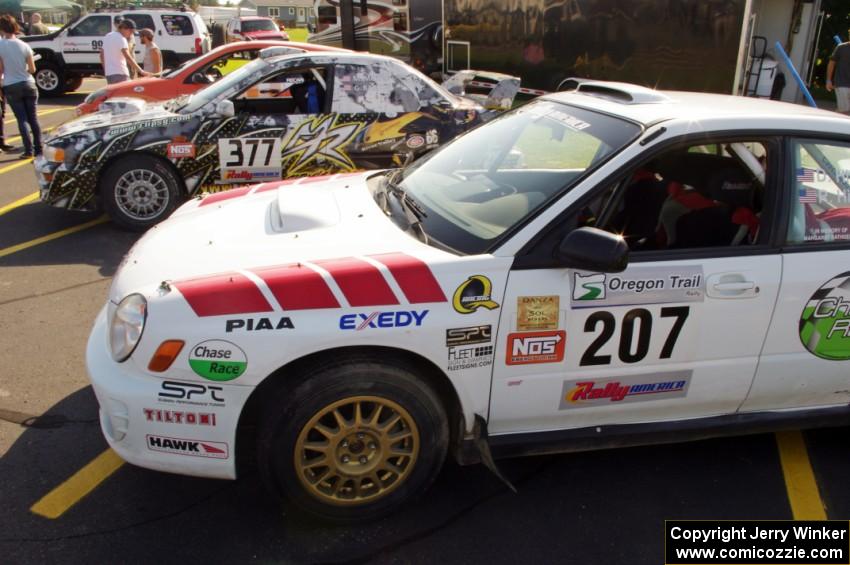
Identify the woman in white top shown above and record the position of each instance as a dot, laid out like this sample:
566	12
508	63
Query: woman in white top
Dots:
153	56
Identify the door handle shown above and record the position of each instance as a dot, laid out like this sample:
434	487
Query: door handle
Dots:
734	286
730	285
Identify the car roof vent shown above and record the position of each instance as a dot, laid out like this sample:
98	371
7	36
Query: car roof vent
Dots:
622	92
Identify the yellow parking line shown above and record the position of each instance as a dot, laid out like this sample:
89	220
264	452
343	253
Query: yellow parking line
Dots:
51	236
803	493
19	202
59	500
51	110
18	137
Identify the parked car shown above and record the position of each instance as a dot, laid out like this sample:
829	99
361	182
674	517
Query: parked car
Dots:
607	267
253	28
192	75
73	52
282	115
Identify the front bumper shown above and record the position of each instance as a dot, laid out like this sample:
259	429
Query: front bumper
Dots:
180	427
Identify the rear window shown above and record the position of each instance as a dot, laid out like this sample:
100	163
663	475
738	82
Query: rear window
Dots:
176	24
258	25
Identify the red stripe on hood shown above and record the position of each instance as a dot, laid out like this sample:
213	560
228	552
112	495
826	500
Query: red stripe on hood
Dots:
413	276
360	282
225	195
222	295
297	287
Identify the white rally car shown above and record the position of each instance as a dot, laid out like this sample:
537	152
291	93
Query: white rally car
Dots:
610	266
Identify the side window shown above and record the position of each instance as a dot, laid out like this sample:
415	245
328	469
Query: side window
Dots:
142	21
820	211
300	91
226	64
690	197
384	88
176	24
327	15
92	25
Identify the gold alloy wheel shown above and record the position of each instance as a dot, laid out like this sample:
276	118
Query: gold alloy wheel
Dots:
356	450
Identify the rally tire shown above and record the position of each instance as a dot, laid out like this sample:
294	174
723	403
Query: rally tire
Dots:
290	420
139	191
49	80
73	82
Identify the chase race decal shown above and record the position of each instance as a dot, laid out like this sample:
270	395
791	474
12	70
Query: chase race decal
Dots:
639	285
472	294
586	393
218	360
825	321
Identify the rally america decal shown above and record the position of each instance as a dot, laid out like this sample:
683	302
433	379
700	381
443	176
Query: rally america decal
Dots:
191	447
639	285
585	393
825	321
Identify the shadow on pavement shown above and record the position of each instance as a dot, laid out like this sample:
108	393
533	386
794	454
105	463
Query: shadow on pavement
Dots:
598	507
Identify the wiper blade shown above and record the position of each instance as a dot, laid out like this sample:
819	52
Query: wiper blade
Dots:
413	211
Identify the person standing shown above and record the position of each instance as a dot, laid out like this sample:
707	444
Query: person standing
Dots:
152	62
36	27
838	76
17	66
115	55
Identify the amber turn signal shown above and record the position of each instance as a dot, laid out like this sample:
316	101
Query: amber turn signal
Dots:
165	355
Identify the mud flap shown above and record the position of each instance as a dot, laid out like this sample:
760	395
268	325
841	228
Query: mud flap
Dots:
479	433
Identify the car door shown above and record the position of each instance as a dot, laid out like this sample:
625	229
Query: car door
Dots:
83	42
678	333
284	130
395	110
805	359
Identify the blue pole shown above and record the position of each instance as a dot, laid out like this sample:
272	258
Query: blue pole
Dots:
787	60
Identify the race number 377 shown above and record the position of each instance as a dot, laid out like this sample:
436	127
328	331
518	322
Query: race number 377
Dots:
249	153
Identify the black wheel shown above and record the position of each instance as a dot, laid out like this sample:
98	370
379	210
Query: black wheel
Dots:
49	80
352	441
139	191
73	82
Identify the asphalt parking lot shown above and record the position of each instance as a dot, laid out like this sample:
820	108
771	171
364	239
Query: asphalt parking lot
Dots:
66	498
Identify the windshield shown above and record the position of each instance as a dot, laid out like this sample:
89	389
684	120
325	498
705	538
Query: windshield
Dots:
483	183
258	25
232	80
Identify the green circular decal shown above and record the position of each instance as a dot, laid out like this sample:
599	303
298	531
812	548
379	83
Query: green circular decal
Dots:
825	321
218	360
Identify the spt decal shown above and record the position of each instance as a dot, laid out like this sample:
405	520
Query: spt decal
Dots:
825	321
218	360
472	294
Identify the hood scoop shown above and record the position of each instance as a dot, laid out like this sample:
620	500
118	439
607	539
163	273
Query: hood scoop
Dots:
122	106
304	208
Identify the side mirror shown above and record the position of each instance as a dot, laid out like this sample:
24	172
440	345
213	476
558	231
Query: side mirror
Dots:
225	109
592	249
201	78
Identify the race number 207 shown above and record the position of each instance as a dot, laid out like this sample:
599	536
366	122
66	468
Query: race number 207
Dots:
250	152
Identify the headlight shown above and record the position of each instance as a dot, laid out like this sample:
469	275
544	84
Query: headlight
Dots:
54	154
127	325
97	94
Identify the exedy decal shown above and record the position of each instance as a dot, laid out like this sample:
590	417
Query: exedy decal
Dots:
319	138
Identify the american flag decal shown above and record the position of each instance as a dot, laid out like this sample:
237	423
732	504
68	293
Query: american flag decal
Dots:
808	195
805	175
